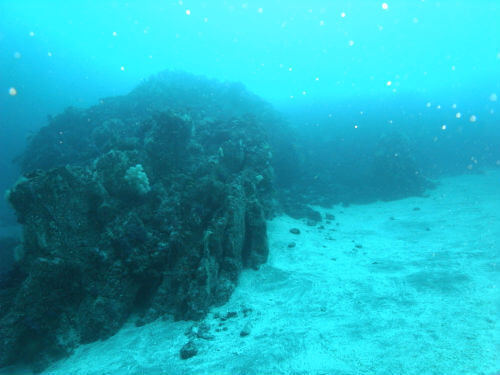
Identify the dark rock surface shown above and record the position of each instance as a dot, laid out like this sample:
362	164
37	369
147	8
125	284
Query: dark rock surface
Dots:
146	204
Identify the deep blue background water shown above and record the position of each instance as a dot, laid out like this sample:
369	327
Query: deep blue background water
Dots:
342	63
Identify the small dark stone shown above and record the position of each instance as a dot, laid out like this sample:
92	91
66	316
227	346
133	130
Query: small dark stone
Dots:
359	246
295	231
416	208
330	217
428	229
189	350
246	311
247	329
231	314
321	227
392	218
334	259
291	244
311	223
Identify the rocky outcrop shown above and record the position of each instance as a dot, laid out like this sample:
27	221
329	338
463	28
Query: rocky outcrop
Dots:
141	206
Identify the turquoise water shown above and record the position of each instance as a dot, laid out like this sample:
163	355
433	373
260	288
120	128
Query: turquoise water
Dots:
419	295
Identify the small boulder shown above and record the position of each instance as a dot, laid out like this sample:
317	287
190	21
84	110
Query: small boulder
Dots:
189	350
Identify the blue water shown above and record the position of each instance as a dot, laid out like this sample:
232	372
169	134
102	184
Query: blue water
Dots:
346	70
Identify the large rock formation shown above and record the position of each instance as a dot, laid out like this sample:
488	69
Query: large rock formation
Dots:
143	205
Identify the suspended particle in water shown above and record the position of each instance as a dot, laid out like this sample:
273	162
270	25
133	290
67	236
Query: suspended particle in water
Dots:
322	23
122	68
385	6
453	106
115	33
304	92
17	55
188	12
260	10
389	83
473	118
443	127
12	91
458	115
32	33
343	16
49	54
351	43
355	126
428	105
493	97
438	106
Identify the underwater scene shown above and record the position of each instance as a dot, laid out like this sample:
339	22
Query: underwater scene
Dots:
240	187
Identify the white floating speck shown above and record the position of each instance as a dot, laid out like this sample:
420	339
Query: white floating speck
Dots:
17	55
32	34
493	97
473	118
122	68
458	115
12	91
385	6
188	12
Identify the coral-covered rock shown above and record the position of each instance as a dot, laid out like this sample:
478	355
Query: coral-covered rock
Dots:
149	204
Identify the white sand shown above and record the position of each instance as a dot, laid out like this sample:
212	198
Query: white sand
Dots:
419	296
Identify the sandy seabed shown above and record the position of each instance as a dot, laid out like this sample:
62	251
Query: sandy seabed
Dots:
402	287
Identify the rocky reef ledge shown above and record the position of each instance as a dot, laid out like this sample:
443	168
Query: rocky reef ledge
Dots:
143	205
